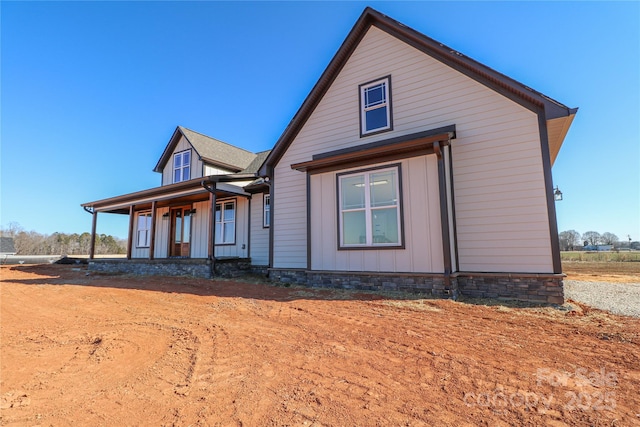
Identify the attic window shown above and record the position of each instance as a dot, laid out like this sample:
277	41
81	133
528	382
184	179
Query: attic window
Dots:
182	166
375	106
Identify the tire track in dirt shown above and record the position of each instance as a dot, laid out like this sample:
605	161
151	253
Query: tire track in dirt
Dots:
178	351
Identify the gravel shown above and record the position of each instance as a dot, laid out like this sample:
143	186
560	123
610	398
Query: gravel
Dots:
618	298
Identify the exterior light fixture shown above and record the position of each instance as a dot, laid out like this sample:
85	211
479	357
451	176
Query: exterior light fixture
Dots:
557	194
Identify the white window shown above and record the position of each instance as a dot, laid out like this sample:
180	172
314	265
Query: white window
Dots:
369	208
266	220
226	223
143	233
182	166
375	106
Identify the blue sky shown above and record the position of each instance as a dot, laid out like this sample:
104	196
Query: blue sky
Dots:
91	92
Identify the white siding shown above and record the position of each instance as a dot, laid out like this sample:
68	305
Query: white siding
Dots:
212	170
200	230
240	248
138	252
497	165
161	248
196	164
422	230
259	234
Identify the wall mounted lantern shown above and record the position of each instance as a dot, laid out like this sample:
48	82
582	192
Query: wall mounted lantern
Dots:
557	194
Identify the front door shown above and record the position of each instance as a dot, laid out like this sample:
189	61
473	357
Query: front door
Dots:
180	232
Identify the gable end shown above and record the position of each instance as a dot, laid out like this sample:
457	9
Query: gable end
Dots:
519	93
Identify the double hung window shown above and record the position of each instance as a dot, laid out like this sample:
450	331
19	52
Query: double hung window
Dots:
266	220
375	106
369	208
143	231
182	166
226	223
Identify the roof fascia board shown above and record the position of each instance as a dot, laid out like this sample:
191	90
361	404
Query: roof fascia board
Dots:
171	190
317	92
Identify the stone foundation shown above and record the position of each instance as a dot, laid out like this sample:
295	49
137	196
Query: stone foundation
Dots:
432	284
156	267
543	288
192	267
525	287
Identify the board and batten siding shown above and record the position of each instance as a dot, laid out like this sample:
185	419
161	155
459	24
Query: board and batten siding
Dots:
196	164
240	248
200	230
422	230
499	189
259	234
162	233
213	170
161	248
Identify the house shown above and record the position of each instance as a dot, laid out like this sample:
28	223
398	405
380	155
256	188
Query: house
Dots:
409	166
209	207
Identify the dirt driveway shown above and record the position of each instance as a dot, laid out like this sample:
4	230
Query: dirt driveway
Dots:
82	349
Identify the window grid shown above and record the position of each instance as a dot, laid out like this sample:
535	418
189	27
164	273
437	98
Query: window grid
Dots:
369	208
225	223
375	106
266	220
182	166
143	233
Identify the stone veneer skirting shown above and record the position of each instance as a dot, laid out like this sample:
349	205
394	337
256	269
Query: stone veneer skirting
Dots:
543	288
433	284
193	267
156	267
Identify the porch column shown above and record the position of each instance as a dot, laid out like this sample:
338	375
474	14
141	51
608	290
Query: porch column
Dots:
212	227
130	238
152	240
92	247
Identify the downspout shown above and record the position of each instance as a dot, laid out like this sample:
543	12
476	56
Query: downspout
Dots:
444	215
210	186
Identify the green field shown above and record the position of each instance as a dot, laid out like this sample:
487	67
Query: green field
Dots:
611	256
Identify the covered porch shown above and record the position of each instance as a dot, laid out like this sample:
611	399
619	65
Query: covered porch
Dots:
183	228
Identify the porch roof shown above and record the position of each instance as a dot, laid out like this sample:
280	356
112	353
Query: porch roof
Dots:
189	191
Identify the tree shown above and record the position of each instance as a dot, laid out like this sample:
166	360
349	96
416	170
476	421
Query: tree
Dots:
569	239
592	237
609	238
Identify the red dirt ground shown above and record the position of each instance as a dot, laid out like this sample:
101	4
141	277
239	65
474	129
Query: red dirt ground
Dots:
87	349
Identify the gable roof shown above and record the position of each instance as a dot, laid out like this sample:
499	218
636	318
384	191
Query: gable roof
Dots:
254	166
7	245
502	84
209	150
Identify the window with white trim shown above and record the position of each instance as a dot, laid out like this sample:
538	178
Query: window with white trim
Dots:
375	106
226	223
266	219
369	208
143	230
182	166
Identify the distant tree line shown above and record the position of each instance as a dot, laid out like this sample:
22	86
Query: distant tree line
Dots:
34	243
571	240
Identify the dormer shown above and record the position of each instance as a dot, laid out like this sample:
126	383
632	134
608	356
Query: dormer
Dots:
190	155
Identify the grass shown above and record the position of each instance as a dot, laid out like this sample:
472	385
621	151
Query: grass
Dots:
611	256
